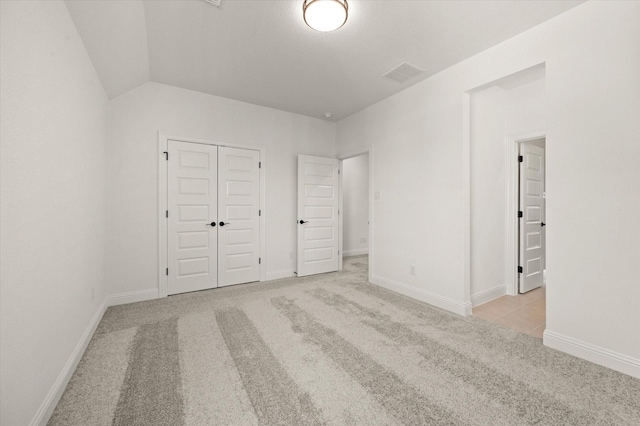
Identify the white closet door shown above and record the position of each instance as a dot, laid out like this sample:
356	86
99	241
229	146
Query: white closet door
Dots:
192	199
318	220
238	214
531	223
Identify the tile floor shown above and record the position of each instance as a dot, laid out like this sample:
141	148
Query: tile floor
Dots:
525	312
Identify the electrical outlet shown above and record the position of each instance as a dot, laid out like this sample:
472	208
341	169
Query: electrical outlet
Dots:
363	240
412	269
93	293
377	195
291	255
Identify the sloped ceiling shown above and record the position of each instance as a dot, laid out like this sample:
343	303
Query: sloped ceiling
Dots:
115	35
262	52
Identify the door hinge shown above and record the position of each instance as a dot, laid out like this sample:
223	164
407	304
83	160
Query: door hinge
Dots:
259	164
338	171
520	159
259	212
338	211
338	251
167	155
519	213
167	213
167	271
519	269
259	261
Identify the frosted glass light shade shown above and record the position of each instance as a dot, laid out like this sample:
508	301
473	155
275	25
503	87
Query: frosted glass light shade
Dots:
325	15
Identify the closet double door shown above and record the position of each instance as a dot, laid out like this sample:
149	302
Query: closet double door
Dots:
213	216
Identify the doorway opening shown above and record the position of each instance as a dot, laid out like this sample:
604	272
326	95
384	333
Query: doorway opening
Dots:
501	117
345	229
355	217
524	307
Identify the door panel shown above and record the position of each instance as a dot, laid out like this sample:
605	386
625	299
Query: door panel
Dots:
238	208
318	201
192	195
531	224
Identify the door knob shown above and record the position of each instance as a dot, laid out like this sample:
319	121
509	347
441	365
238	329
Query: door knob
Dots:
223	224
211	224
542	224
302	222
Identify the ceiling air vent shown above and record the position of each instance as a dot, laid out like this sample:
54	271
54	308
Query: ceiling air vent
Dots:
403	72
214	2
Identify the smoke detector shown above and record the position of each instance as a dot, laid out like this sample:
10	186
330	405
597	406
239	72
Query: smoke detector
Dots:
403	72
214	2
328	115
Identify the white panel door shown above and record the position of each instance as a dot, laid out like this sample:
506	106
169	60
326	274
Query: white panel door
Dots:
532	221
238	213
318	220
192	198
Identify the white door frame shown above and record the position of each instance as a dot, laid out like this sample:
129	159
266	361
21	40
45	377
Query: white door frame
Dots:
512	236
354	152
163	145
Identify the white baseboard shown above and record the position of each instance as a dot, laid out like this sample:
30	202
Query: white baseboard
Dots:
49	404
132	297
277	275
446	303
601	356
488	295
355	252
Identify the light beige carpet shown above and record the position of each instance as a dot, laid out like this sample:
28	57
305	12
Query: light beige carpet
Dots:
329	349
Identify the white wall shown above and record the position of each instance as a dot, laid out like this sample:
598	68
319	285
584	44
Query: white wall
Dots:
355	195
54	118
592	87
488	185
132	249
526	108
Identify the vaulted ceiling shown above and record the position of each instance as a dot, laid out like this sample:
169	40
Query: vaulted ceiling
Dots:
262	52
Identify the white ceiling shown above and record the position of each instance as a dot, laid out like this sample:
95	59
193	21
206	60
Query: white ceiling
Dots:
262	52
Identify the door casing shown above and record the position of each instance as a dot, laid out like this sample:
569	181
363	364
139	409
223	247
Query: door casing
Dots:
163	141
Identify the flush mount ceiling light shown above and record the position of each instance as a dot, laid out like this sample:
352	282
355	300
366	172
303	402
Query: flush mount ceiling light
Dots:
325	15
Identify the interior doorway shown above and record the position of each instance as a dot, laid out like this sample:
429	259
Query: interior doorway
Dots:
500	116
355	217
328	231
531	215
524	307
